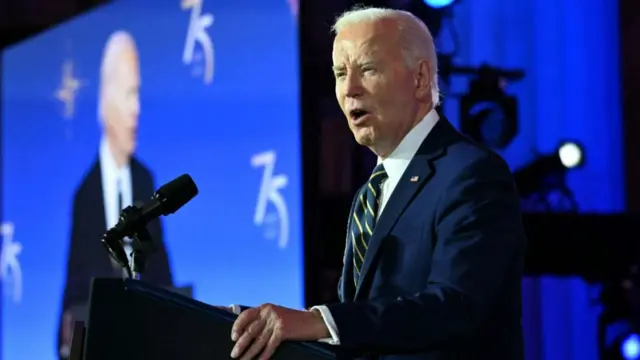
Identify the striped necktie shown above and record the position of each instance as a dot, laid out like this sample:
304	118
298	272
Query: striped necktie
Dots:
364	217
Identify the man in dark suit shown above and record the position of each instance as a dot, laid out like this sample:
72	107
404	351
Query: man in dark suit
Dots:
115	180
435	243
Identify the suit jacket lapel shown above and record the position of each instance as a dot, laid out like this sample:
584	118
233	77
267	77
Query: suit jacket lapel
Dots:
347	287
417	174
95	178
137	189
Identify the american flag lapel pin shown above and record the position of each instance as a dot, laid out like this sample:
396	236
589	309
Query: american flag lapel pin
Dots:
414	179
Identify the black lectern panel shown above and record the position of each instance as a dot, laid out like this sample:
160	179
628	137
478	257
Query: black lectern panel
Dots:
132	320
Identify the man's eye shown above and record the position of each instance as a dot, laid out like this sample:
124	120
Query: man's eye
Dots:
339	75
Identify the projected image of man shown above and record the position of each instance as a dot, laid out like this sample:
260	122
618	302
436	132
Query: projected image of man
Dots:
115	180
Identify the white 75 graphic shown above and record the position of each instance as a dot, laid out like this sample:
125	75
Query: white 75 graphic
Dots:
270	192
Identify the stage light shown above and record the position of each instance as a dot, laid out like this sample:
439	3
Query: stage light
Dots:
570	154
439	4
542	184
630	347
623	346
547	171
488	114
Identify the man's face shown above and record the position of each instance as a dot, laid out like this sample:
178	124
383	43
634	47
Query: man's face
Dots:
122	104
374	87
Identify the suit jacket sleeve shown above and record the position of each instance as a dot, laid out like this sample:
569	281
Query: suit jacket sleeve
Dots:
77	284
480	239
78	279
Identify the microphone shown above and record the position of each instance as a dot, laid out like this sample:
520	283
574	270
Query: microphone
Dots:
134	219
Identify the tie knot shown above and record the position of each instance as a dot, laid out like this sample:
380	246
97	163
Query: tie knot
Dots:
378	175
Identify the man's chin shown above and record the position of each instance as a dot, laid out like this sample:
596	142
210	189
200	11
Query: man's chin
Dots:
131	150
364	137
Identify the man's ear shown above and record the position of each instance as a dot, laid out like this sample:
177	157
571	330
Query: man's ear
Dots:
423	78
101	95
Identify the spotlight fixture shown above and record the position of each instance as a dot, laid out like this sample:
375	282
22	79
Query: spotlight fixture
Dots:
542	184
620	342
488	114
630	347
439	4
619	319
571	154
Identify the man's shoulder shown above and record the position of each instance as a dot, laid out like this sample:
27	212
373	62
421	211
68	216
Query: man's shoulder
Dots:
140	170
466	150
466	157
89	182
454	150
142	179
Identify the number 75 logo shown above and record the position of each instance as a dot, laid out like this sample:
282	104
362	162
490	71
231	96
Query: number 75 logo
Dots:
197	33
270	193
10	271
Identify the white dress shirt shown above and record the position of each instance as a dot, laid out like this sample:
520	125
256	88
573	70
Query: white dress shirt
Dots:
116	185
395	165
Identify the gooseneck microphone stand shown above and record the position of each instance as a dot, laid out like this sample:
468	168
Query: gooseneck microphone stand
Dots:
142	244
138	255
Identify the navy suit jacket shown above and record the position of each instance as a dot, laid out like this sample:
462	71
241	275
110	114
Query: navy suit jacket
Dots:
441	277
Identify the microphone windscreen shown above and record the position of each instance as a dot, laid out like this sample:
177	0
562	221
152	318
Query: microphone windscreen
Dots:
174	194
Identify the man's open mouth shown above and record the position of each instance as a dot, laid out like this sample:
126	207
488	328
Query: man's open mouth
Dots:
357	114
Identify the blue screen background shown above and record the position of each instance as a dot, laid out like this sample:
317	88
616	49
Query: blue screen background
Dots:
210	131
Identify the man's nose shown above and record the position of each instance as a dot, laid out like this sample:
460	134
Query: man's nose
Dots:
353	86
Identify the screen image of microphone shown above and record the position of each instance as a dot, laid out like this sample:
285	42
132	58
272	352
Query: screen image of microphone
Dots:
134	219
166	200
174	194
112	242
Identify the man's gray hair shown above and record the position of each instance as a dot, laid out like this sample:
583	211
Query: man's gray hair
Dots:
416	38
118	42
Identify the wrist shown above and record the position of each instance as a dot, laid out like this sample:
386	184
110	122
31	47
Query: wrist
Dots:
321	330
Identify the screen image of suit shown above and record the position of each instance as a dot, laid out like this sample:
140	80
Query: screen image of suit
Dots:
441	276
87	256
116	180
235	132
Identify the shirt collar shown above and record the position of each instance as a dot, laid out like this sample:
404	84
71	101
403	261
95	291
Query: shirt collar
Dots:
110	168
396	163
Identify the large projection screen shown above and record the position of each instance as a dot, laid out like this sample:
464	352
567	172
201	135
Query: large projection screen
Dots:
100	111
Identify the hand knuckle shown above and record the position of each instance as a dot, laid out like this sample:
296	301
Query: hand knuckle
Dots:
278	336
242	318
257	328
261	338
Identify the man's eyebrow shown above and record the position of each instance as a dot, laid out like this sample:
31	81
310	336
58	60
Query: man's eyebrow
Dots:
337	68
366	63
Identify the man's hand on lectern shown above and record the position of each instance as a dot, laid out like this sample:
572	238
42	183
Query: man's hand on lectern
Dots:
259	331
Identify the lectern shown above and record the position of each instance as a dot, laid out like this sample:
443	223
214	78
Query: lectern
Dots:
132	320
